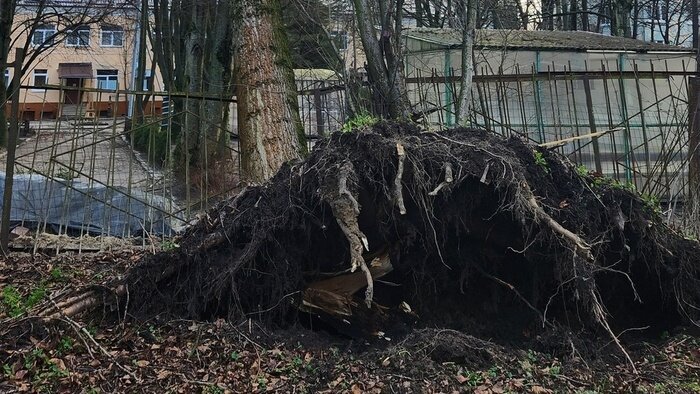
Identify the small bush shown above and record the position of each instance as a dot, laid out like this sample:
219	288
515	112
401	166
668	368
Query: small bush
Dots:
150	139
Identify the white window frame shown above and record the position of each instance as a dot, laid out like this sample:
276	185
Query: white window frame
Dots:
76	34
47	32
40	73
107	77
111	31
147	78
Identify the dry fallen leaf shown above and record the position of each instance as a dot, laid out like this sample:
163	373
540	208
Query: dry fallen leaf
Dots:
142	363
516	383
19	375
59	363
275	352
163	374
540	390
483	389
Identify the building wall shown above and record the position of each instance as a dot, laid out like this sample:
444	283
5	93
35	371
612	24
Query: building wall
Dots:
37	101
439	63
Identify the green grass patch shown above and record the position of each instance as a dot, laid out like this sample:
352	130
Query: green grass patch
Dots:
16	305
358	121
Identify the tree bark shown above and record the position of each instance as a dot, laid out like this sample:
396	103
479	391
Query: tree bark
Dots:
141	66
384	57
584	16
268	121
620	14
547	15
7	11
467	15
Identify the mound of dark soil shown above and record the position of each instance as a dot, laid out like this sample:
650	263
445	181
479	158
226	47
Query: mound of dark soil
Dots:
482	233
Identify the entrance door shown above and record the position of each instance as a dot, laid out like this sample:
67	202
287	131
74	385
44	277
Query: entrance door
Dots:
73	96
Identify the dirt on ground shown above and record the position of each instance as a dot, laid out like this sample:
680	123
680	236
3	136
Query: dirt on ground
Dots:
159	356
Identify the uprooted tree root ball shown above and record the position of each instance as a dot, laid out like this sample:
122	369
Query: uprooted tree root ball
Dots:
460	228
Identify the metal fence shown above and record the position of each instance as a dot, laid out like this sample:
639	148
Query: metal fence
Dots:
85	167
644	111
85	164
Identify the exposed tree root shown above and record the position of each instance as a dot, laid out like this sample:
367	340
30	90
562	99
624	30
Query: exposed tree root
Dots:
478	231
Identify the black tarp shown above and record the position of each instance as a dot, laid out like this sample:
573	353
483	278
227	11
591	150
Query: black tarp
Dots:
80	208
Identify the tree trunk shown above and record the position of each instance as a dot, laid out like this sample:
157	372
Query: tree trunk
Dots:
584	15
141	66
384	58
573	19
218	77
547	15
467	16
7	11
268	122
620	14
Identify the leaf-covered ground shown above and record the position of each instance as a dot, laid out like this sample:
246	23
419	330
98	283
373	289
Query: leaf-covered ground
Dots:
64	355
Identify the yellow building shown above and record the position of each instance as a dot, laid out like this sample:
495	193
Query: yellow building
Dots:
83	71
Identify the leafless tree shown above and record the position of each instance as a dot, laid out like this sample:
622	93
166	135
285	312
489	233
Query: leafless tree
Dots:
384	53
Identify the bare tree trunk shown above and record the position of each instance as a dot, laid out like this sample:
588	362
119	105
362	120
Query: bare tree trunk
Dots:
467	15
573	20
384	58
559	12
620	13
635	19
584	16
141	67
192	44
547	15
218	76
267	120
7	11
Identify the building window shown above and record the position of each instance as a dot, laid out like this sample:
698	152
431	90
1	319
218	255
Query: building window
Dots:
7	77
340	39
147	81
43	35
41	78
80	37
112	36
107	79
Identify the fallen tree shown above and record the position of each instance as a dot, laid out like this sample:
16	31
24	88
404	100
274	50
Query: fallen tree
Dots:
449	228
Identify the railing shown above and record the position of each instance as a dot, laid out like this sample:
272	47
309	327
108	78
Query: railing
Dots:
644	109
105	173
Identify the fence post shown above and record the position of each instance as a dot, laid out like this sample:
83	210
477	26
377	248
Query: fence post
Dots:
11	148
320	129
592	124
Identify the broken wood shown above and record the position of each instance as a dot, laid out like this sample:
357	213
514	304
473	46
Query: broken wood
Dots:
562	142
